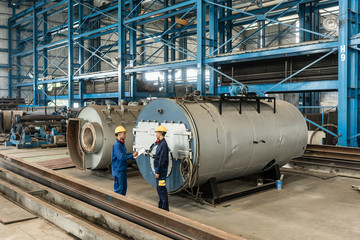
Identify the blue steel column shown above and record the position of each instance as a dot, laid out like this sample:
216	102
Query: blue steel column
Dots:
132	48
121	50
70	53
45	58
10	58
20	47
354	84
81	53
142	48
221	30
200	46
309	19
213	35
183	44
229	26
166	50
348	74
35	59
261	35
173	55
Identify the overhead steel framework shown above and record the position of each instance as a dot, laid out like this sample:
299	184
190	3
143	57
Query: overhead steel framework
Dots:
73	44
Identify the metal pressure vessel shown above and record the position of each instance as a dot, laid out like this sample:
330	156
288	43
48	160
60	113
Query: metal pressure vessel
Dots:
90	136
207	140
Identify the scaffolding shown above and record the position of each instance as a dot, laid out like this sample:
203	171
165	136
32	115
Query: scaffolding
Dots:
68	49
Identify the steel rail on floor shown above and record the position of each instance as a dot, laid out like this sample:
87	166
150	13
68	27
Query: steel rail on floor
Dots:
330	156
165	223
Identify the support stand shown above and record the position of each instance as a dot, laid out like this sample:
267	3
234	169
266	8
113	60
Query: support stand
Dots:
215	193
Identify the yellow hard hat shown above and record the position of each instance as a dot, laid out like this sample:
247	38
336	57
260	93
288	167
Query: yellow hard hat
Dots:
161	128
120	129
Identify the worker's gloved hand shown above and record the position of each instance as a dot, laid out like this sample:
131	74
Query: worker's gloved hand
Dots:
135	154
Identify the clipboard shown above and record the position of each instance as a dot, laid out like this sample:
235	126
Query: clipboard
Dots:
140	151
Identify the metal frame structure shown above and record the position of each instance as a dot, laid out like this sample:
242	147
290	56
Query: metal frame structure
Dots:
219	30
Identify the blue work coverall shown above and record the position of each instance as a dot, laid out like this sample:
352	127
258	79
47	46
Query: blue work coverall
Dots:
119	157
161	162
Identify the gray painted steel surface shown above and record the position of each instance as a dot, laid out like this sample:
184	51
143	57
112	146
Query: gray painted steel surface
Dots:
224	146
91	146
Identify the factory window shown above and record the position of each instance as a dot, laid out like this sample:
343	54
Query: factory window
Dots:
297	33
191	75
154	76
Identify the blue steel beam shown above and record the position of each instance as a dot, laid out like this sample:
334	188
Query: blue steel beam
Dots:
42	4
10	40
95	75
262	25
263	17
322	128
70	53
247	56
81	53
294	50
201	11
35	60
282	6
163	16
121	51
39	13
307	66
348	116
213	35
112	95
160	11
328	85
64	26
245	21
165	66
172	51
229	25
63	42
132	52
29	10
163	41
45	60
172	40
308	48
166	49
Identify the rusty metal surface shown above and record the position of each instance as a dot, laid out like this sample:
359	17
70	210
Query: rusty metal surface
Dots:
56	164
72	139
330	156
101	222
333	152
70	223
8	118
166	223
90	136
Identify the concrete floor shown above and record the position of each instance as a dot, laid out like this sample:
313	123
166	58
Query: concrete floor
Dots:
307	208
38	229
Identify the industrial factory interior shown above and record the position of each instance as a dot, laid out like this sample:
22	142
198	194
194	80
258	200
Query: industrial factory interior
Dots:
180	119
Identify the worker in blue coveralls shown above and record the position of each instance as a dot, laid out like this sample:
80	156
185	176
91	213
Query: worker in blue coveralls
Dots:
119	158
161	162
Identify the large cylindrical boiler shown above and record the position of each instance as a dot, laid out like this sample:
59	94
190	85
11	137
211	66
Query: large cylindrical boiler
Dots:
90	136
224	142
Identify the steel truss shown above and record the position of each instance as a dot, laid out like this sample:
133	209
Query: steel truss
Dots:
170	36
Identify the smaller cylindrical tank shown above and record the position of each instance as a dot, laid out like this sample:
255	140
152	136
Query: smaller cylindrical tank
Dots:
222	140
90	136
